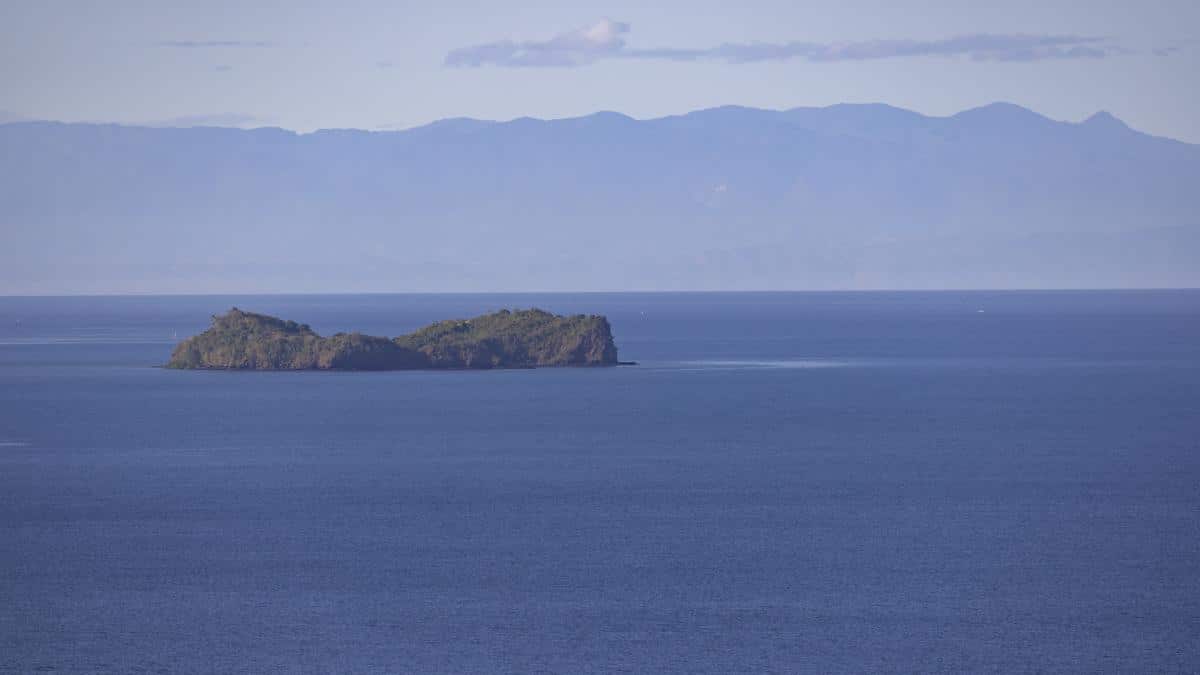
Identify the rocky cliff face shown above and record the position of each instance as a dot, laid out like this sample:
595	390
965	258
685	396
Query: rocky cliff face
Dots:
518	339
522	339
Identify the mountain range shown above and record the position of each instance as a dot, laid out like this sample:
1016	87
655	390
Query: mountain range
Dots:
731	198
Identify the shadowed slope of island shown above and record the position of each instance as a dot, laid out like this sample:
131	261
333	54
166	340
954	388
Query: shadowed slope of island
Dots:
530	338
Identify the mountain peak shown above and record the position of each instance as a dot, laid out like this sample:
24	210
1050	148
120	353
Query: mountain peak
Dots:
998	110
1105	120
609	115
600	117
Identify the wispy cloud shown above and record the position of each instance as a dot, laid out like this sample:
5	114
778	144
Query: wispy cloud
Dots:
7	117
606	40
210	120
1174	47
603	39
979	47
215	44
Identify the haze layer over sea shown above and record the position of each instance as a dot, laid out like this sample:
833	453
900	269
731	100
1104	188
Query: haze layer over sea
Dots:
790	482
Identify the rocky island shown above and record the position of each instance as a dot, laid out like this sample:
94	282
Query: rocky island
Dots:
239	340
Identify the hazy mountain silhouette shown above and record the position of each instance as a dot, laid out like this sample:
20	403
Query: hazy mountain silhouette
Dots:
849	196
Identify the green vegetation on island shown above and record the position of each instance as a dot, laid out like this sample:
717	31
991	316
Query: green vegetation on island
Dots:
531	338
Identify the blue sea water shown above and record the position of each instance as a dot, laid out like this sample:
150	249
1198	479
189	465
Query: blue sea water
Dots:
788	482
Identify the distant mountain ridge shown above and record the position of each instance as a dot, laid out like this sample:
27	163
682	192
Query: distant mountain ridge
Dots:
848	196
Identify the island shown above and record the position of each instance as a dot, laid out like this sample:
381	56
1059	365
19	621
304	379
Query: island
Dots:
532	338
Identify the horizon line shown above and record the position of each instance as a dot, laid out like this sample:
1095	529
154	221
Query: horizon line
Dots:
1089	289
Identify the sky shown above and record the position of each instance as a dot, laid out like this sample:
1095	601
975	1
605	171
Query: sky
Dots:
372	64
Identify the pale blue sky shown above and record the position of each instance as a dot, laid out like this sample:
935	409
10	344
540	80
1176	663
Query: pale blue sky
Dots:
371	64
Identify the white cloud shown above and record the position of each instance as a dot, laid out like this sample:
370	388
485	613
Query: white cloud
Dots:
606	39
578	47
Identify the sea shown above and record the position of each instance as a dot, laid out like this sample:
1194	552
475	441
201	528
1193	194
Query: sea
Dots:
785	483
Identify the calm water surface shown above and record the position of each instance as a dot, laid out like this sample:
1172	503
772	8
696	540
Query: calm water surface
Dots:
787	483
